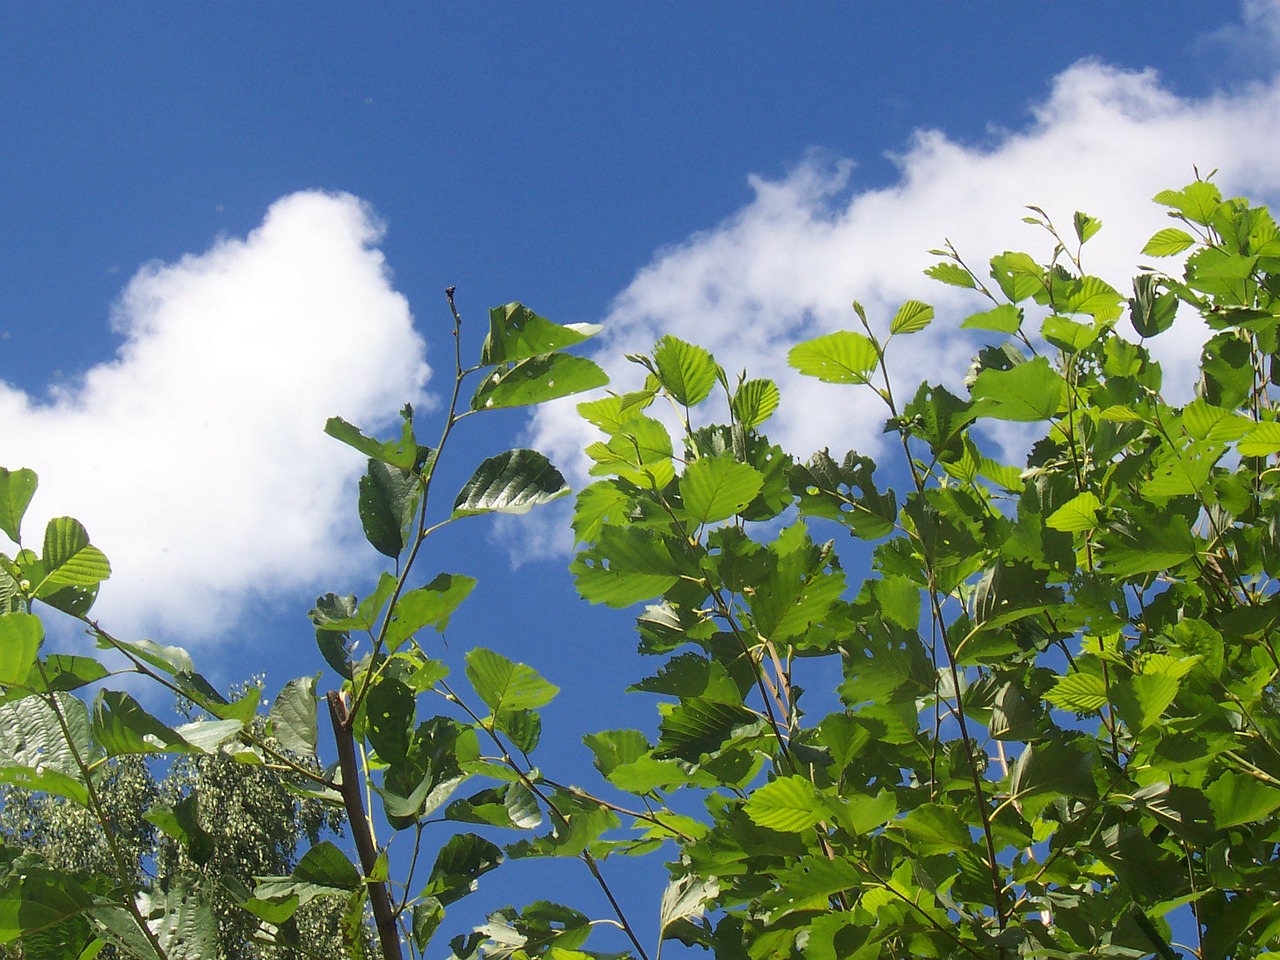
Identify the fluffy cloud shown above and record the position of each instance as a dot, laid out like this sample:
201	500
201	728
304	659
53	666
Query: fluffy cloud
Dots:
786	266
196	457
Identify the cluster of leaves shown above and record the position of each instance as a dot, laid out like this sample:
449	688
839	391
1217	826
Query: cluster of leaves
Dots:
1056	725
1044	725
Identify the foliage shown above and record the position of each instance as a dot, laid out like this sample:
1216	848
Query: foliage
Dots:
1056	723
1043	725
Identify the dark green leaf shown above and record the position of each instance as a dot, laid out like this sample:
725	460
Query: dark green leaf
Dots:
511	482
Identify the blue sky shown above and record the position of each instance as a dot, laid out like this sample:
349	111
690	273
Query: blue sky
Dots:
224	223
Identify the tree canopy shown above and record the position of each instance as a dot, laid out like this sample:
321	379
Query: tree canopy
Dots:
1044	724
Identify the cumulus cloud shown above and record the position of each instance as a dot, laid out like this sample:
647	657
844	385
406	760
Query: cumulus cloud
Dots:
196	457
786	266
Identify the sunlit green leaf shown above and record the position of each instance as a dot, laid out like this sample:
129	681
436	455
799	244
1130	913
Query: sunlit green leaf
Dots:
537	380
688	372
911	317
790	804
1168	242
842	357
755	401
505	685
716	488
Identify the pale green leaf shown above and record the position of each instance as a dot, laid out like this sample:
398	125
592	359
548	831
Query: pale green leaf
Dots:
688	372
1262	440
1078	692
951	273
1006	318
1168	242
505	685
842	357
755	401
1078	514
716	488
911	317
789	804
1029	392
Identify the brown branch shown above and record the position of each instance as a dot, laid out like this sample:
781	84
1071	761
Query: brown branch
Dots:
384	913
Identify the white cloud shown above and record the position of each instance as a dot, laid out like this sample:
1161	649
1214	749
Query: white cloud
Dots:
196	458
786	266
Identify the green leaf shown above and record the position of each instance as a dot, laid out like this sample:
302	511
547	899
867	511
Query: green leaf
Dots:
639	452
1238	798
1079	692
65	671
292	719
1168	242
537	380
388	502
181	822
461	862
685	897
911	317
512	482
1092	296
1197	201
687	372
1006	318
20	638
1086	226
505	685
121	726
755	401
39	899
1067	334
1261	441
935	828
427	915
1150	311
516	333
1029	392
1078	514
700	725
841	357
390	713
951	273
403	453
789	804
1018	275
324	865
69	559
17	487
716	488
429	606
